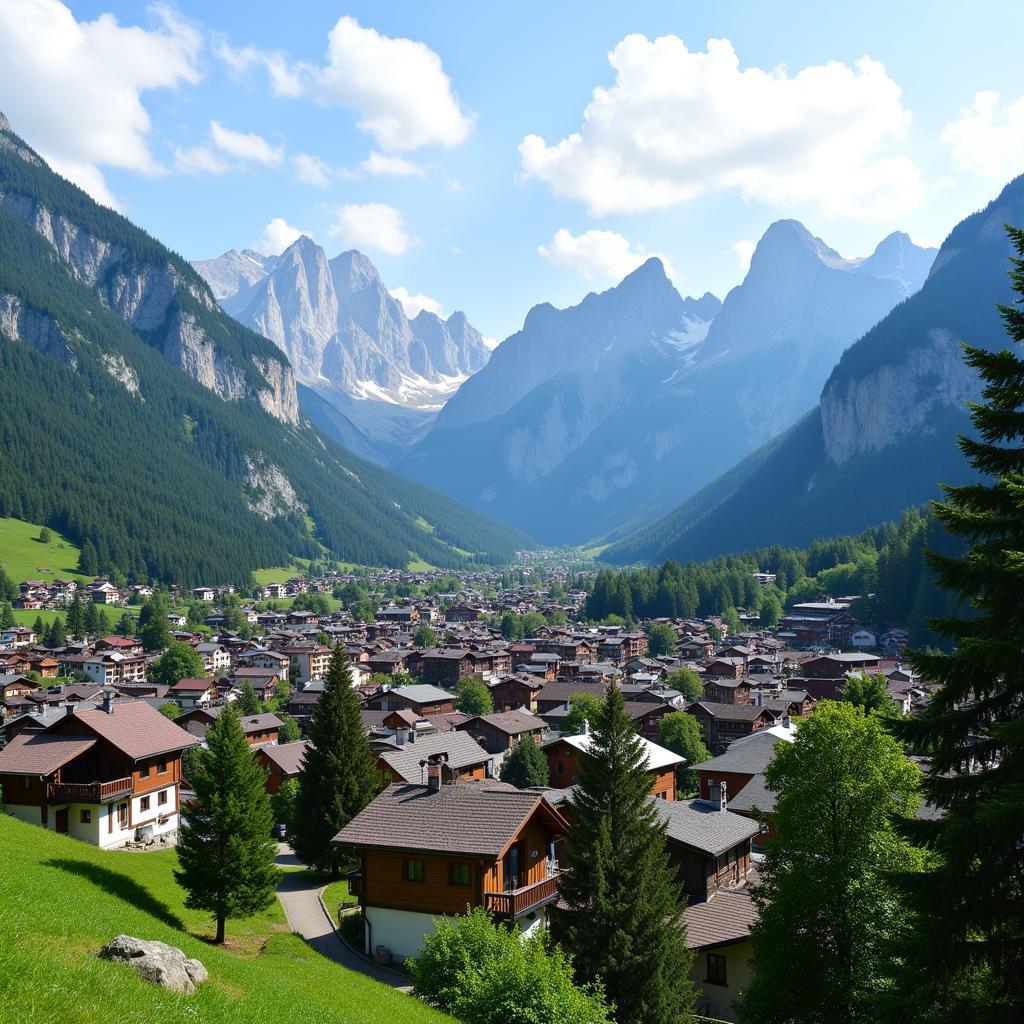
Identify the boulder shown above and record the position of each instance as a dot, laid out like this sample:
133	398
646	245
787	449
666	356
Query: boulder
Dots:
157	962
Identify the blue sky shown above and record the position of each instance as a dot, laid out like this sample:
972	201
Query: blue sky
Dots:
453	142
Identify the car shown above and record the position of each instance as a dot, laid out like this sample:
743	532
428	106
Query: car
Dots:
279	831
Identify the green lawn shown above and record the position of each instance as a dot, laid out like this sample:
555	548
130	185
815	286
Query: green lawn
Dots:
62	900
24	558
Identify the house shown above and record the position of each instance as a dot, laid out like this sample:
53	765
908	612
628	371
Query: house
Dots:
311	662
107	775
192	693
407	613
727	667
563	756
14	685
446	667
258	729
104	592
424	700
464	758
503	730
708	845
718	931
434	850
272	661
203	593
721	690
462	613
120	644
723	723
113	669
516	691
215	657
282	761
864	639
835	666
556	694
17	636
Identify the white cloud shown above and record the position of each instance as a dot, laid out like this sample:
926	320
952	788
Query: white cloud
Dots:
397	87
676	124
74	88
199	160
246	146
381	165
603	256
744	250
311	170
412	304
277	236
988	138
374	226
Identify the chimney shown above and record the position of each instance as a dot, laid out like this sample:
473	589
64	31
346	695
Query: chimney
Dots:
585	727
435	768
108	702
69	707
722	799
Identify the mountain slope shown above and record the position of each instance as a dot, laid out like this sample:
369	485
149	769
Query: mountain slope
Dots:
161	435
594	420
884	433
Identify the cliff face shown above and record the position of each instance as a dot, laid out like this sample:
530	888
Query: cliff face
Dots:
153	298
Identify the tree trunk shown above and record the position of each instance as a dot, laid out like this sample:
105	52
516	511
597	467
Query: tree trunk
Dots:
219	938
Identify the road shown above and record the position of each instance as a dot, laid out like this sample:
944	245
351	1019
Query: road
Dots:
302	907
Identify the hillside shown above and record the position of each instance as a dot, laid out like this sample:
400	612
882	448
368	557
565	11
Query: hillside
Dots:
146	425
883	436
596	419
49	970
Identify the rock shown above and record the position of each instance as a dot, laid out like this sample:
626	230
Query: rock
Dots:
157	962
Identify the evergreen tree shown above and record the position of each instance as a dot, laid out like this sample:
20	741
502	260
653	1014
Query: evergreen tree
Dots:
154	629
968	946
8	591
76	617
827	904
88	563
248	703
102	622
6	615
623	914
526	765
90	619
226	855
39	627
339	775
45	537
55	636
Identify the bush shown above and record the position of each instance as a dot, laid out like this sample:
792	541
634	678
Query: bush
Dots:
483	973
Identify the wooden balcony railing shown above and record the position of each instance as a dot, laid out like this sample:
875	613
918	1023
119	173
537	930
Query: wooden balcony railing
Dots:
88	792
519	901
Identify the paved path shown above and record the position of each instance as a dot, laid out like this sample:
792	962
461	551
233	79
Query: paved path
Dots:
302	907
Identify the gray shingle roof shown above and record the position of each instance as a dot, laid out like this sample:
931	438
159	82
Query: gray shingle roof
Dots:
287	756
751	755
421	693
703	826
478	819
461	748
726	917
755	794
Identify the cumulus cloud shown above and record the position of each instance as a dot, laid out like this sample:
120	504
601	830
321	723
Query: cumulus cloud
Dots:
398	87
988	138
74	88
382	165
375	226
277	236
744	250
676	124
199	160
246	146
603	256
311	170
413	304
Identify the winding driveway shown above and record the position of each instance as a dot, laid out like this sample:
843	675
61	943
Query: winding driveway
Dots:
306	915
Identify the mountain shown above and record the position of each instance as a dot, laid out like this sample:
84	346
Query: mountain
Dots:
594	420
161	435
883	435
349	338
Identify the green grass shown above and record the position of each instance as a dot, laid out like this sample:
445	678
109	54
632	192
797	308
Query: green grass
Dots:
24	558
335	895
62	900
276	574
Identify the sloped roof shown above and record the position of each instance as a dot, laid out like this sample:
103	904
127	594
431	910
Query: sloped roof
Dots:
461	748
136	728
287	756
473	818
657	757
39	754
700	824
726	917
754	795
751	755
512	722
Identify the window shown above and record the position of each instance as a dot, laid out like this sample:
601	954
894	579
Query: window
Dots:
26	782
161	768
162	797
561	768
458	874
413	870
144	772
716	969
144	804
85	818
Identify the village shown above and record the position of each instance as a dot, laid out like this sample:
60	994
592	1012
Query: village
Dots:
96	748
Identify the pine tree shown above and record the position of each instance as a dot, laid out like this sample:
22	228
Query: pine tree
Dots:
88	564
226	855
90	619
76	617
154	630
623	911
339	775
525	766
969	942
6	615
248	702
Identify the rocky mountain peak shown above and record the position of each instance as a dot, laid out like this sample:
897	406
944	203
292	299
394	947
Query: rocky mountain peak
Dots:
5	125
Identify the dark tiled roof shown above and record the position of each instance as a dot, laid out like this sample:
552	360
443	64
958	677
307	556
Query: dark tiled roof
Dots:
136	728
512	722
754	795
701	825
751	755
461	748
726	917
733	712
474	818
35	754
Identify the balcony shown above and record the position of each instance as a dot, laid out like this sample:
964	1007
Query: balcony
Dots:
518	901
88	792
